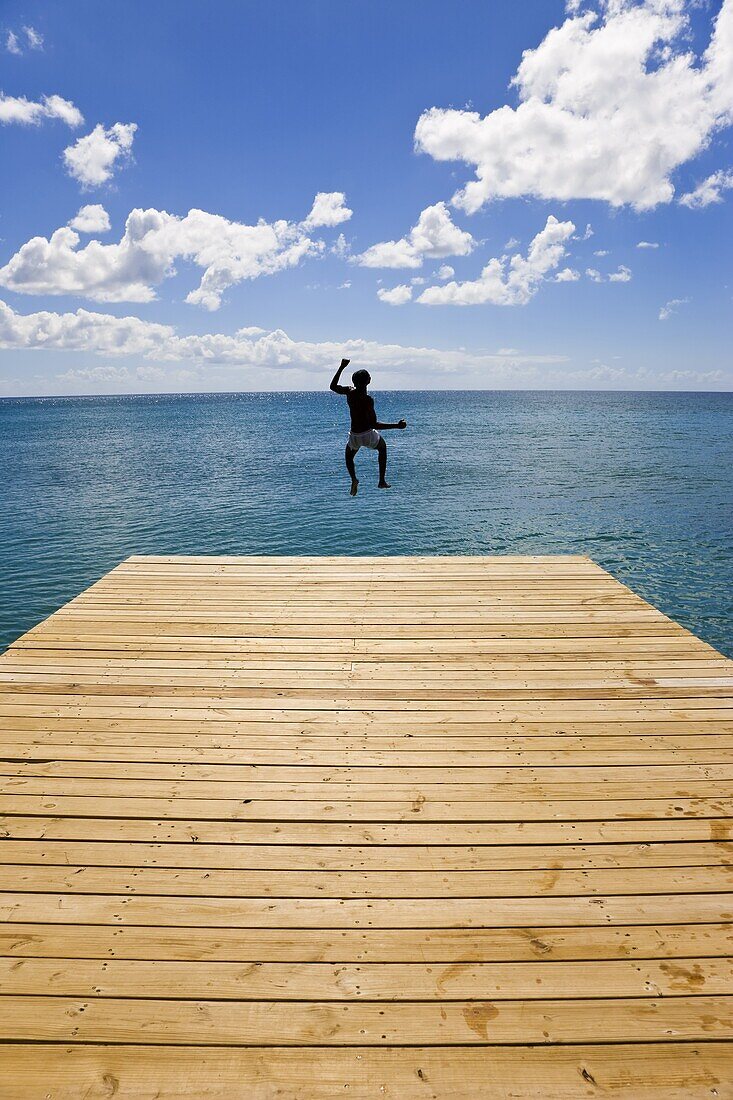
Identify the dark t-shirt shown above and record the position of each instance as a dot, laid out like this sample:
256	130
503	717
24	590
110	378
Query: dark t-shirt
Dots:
361	407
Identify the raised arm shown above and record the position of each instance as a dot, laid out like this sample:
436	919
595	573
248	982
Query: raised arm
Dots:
335	387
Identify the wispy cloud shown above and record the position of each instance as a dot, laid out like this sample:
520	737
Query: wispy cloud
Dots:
671	307
709	191
33	38
12	44
27	39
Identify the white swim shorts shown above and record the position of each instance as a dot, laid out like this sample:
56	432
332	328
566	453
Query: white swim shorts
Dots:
370	439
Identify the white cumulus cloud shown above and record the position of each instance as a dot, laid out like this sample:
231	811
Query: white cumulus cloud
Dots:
91	219
397	296
567	275
505	281
647	244
29	112
129	270
329	209
709	191
610	105
94	158
435	235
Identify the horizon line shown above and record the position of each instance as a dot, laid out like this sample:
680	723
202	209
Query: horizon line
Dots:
257	393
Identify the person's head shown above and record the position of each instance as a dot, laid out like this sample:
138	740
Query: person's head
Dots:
361	379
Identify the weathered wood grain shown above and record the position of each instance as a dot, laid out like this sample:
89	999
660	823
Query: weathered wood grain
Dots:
306	827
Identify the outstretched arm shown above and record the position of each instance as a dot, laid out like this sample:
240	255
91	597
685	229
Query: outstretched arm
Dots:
335	387
384	427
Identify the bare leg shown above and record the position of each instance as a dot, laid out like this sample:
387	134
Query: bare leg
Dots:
352	470
382	452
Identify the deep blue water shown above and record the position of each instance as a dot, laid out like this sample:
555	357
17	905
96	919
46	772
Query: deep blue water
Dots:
641	482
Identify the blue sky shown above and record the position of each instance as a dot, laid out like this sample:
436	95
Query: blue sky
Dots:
244	111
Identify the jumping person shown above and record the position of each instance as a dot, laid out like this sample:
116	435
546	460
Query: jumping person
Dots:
365	427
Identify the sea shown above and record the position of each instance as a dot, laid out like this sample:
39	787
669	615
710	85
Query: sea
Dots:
641	482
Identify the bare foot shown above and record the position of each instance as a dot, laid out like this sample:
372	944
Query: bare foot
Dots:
354	487
384	485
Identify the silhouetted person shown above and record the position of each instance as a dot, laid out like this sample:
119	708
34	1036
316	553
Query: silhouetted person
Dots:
365	427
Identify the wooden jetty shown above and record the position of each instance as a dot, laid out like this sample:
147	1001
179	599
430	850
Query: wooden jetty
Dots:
365	827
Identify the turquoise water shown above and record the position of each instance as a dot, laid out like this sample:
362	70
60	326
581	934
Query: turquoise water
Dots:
640	482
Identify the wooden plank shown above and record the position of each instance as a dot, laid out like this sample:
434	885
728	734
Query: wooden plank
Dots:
301	752
351	792
177	806
387	982
160	595
134	627
49	752
641	1071
373	857
439	684
368	730
293	1023
342	565
367	945
382	884
190	668
188	831
394	714
440	911
678	646
426	776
